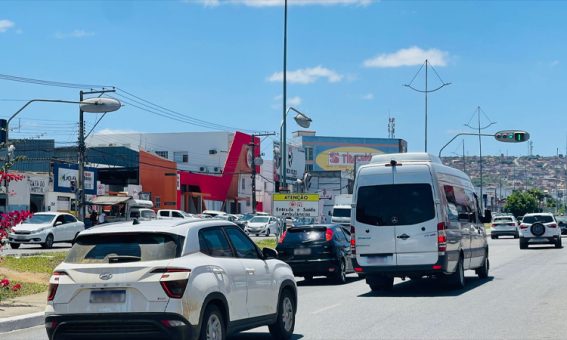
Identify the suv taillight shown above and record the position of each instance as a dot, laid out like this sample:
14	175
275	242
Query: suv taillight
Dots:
328	235
441	237
552	225
173	281
523	226
352	241
52	290
282	237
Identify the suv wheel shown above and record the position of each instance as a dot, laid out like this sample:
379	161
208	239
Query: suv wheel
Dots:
523	243
377	283
482	271
285	323
558	243
340	275
457	279
213	324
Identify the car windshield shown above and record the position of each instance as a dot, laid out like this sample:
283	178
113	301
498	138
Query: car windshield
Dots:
537	218
39	219
246	217
341	212
259	219
113	248
397	204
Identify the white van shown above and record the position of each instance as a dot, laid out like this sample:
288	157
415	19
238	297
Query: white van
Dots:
415	217
341	209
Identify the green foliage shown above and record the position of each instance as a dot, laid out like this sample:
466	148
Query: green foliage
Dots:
25	288
267	243
36	264
520	203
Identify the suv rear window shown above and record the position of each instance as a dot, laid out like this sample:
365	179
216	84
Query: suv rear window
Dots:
304	235
394	204
503	219
537	218
116	248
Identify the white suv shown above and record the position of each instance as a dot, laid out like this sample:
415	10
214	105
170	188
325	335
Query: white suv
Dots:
539	228
174	279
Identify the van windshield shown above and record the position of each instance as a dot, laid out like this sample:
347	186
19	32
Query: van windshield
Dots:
398	204
341	212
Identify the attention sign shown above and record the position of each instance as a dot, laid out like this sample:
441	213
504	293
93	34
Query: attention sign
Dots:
295	205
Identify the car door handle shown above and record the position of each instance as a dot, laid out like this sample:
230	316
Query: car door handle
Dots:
218	271
403	236
250	271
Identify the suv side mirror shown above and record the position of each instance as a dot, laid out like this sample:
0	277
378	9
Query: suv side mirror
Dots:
269	253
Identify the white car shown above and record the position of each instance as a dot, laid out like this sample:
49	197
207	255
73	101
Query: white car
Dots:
46	228
171	279
504	225
539	228
143	214
172	213
264	225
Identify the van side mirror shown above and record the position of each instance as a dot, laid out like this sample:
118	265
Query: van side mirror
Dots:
487	216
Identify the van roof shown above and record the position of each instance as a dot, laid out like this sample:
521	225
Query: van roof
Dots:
406	157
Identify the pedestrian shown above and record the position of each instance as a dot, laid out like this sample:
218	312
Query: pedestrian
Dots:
102	217
93	218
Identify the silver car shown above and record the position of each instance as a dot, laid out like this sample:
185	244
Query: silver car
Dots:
504	226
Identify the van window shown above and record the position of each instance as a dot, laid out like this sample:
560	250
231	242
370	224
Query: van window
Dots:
398	204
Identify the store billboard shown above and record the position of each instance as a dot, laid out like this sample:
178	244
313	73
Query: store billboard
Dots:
66	176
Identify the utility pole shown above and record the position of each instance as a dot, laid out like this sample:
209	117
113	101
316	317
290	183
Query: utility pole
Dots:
253	164
426	91
82	149
479	127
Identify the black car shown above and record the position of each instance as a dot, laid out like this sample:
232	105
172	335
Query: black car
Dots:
314	250
562	222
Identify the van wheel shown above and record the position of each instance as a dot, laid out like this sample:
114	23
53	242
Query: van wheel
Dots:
494	237
482	271
282	329
523	243
378	283
457	279
213	324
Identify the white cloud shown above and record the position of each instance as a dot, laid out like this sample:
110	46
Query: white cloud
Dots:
115	132
308	75
293	101
272	3
554	63
5	25
75	34
368	96
409	57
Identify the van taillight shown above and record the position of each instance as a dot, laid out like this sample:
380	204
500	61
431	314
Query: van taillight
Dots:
329	235
352	241
441	237
173	281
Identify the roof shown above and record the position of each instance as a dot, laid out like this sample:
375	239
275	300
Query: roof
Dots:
172	226
109	200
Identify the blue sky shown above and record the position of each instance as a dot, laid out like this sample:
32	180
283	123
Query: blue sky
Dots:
221	62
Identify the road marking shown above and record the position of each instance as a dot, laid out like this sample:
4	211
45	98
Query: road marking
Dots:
325	308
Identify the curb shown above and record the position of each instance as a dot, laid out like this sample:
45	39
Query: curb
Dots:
21	321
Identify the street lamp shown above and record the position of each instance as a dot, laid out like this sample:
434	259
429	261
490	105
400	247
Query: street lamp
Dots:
303	121
89	105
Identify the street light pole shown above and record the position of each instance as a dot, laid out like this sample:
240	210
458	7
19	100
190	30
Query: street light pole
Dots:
303	121
283	183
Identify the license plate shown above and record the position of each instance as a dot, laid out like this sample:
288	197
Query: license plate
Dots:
302	251
379	259
108	296
18	237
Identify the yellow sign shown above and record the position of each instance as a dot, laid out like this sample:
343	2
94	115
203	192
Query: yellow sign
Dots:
296	197
343	158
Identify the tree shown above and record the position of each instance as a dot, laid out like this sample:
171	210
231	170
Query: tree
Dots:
520	203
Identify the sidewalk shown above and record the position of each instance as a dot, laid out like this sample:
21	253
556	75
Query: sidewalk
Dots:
22	312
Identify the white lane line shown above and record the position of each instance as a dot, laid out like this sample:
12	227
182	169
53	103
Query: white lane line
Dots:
325	308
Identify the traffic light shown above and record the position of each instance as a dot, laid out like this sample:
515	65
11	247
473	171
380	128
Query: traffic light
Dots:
512	136
3	131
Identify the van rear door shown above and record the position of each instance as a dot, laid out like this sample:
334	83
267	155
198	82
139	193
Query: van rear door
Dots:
416	226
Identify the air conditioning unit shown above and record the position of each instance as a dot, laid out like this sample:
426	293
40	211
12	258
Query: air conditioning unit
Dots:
212	151
217	169
202	169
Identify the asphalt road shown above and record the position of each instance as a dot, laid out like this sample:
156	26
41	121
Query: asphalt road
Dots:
524	298
35	249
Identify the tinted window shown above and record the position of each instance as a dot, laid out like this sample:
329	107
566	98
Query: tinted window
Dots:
242	244
213	242
339	235
69	219
399	204
176	214
341	212
110	248
537	218
164	213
